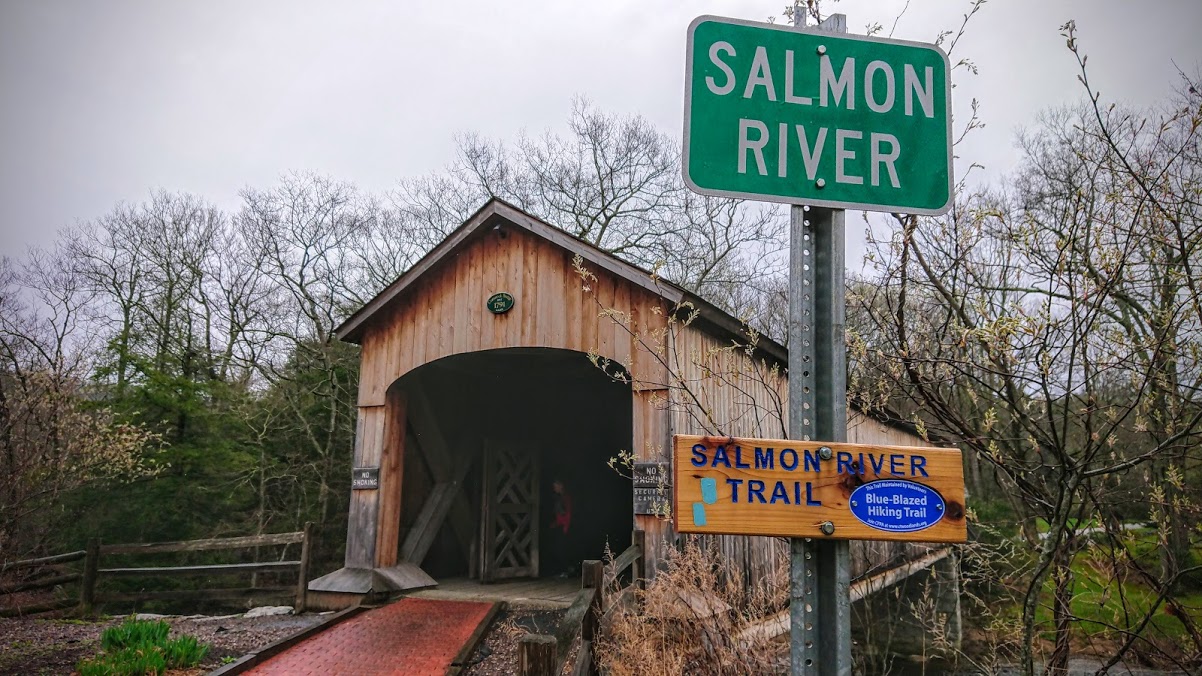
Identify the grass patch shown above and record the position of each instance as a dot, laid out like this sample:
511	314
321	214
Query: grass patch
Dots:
140	647
1107	603
1041	524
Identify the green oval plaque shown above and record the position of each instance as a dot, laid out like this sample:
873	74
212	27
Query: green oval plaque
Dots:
500	303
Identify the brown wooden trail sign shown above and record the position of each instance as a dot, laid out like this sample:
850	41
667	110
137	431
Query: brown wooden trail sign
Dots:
777	487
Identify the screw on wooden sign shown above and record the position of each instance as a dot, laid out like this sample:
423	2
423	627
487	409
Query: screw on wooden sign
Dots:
365	478
652	488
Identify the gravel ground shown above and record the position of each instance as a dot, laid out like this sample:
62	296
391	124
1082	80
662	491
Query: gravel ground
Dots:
54	646
497	654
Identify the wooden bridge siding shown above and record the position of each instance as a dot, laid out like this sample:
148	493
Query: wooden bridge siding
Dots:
370	541
392	470
445	314
652	439
740	397
364	507
757	406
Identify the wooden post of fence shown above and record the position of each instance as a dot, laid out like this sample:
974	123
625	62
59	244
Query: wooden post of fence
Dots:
592	576
536	655
639	569
302	582
87	586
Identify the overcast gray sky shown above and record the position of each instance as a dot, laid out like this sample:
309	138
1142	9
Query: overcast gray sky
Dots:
103	101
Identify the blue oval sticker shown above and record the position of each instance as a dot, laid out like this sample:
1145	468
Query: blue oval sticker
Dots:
897	506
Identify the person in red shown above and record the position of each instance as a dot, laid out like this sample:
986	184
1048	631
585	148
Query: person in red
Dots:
563	507
562	553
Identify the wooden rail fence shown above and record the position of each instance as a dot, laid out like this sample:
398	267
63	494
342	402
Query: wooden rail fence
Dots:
544	655
86	599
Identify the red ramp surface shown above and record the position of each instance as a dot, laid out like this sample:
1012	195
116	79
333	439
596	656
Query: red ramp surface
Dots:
411	636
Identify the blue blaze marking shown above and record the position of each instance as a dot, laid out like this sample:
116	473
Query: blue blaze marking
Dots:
698	514
897	506
709	491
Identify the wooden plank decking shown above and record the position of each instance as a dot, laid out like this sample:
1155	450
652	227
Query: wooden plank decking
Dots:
540	593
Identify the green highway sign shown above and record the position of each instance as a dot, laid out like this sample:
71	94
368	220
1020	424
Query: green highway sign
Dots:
803	116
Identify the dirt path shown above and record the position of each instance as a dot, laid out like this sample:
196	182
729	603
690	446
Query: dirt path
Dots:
41	646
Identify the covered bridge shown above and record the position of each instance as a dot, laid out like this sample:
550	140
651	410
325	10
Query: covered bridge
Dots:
506	370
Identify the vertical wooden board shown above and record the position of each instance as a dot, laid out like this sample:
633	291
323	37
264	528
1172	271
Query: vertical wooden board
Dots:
444	310
373	435
475	300
514	278
383	347
362	519
369	369
557	283
675	402
503	283
398	351
620	323
647	364
360	424
605	328
695	359
573	308
713	385
638	425
660	434
649	421
488	286
690	361
457	314
659	539
392	363
418	304
406	355
529	329
544	320
415	330
403	339
391	481
722	391
521	272
361	530
589	314
431	330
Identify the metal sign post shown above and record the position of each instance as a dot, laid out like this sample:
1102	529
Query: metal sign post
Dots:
819	570
807	117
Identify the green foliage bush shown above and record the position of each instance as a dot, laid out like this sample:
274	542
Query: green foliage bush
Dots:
124	662
140	647
134	634
184	652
